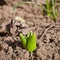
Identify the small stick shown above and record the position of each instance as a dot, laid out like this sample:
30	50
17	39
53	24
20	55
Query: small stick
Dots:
47	30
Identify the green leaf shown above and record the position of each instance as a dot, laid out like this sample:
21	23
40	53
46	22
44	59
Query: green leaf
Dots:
30	34
23	40
31	43
48	8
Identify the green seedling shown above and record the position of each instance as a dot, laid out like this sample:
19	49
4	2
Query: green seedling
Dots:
29	41
50	9
54	10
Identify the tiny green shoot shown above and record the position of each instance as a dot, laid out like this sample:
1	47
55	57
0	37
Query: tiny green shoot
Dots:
50	9
29	41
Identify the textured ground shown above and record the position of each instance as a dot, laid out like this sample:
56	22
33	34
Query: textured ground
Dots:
47	31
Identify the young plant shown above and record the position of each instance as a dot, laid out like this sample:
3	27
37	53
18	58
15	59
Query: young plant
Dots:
50	9
54	10
29	41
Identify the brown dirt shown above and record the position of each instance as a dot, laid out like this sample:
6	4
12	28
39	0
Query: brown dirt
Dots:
47	31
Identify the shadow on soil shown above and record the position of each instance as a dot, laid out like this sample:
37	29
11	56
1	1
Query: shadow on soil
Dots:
14	44
2	2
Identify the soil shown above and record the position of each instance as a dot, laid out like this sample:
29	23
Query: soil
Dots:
12	24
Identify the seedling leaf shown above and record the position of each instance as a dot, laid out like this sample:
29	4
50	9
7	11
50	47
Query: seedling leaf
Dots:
31	43
23	40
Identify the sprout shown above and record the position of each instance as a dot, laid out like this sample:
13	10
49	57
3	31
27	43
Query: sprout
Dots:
29	41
